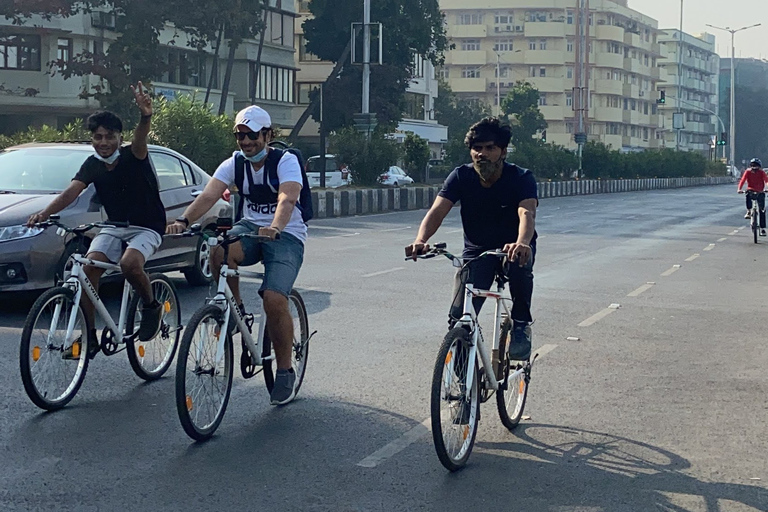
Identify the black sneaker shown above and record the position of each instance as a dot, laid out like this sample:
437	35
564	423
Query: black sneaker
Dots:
520	348
151	315
284	389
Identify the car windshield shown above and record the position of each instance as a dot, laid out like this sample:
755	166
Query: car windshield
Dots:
41	169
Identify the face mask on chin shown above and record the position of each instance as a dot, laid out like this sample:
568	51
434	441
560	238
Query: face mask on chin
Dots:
109	160
258	157
486	169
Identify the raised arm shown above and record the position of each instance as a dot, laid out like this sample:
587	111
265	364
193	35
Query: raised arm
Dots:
144	101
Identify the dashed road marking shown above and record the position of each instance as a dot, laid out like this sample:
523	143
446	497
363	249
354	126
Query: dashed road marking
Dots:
597	317
382	272
422	429
395	229
709	247
691	258
340	236
723	239
641	290
671	271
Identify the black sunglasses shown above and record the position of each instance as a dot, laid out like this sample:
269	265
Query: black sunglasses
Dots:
250	135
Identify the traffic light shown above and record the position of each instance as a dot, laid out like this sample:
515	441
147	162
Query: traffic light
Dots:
723	139
662	97
544	136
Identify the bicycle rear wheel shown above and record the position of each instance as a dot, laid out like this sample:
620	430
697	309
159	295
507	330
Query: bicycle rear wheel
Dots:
49	379
754	226
300	351
203	384
455	406
151	359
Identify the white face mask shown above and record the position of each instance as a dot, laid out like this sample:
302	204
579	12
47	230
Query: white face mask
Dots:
258	157
112	159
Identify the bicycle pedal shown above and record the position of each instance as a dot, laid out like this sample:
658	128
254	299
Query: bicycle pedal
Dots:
108	344
248	367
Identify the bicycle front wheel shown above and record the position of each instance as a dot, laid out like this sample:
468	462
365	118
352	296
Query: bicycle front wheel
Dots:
151	359
53	367
300	350
203	375
455	404
754	227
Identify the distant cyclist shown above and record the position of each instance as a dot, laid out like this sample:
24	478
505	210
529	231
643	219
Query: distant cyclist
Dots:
755	178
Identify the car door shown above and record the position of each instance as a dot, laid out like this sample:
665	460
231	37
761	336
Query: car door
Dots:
175	183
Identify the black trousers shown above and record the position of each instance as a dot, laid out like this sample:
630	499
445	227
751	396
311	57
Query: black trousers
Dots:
481	274
760	203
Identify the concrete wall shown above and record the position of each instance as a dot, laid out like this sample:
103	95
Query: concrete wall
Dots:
344	203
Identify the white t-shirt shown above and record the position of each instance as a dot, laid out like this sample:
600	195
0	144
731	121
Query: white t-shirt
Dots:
288	169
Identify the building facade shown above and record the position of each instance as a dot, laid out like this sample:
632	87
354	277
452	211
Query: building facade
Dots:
33	94
535	41
420	95
692	68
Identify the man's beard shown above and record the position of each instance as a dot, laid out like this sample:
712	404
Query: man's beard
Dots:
486	169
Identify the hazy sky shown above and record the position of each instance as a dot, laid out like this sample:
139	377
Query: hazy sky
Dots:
721	13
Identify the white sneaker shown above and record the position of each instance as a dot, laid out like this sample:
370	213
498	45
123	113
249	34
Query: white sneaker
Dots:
747	215
762	232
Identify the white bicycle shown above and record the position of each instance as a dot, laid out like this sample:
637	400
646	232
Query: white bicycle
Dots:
53	356
205	363
467	373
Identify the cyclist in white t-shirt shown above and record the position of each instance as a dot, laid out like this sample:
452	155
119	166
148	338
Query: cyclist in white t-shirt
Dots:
269	214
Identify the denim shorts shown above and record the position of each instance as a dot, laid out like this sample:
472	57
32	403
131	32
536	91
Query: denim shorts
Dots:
282	258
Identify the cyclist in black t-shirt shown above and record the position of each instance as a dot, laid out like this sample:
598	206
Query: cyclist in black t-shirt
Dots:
498	210
128	190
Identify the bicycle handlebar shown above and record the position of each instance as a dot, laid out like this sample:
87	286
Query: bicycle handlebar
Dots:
441	249
53	220
223	238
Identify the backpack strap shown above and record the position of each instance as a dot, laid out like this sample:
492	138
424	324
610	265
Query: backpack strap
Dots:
239	179
271	178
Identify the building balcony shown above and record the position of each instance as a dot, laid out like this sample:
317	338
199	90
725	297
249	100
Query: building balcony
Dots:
548	85
468	31
544	57
473	85
554	112
614	87
609	33
608	115
609	60
549	29
467	58
634	40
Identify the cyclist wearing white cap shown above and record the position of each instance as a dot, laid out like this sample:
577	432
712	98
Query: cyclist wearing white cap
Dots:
266	213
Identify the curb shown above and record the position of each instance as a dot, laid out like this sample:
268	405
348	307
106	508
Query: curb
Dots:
345	203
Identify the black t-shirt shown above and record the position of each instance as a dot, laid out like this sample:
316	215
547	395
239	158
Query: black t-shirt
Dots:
129	192
489	215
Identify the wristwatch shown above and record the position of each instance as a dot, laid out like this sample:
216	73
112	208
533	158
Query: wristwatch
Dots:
183	220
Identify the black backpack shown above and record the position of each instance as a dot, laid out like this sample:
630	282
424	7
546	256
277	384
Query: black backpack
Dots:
267	191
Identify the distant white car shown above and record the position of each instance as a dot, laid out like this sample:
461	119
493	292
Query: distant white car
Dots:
336	174
395	177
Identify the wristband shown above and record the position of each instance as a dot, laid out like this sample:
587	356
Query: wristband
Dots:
147	116
183	220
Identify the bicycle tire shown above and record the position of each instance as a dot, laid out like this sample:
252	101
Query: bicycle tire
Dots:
449	357
30	350
185	403
165	343
300	352
754	229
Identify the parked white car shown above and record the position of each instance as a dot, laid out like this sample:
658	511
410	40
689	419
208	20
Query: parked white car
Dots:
336	174
395	177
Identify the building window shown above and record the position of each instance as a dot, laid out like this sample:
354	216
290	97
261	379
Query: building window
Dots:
569	17
186	68
20	52
470	45
64	50
542	99
543	44
569	100
305	91
274	83
569	72
279	28
532	44
304	54
542	71
569	46
418	66
414	106
443	73
503	45
473	72
532	71
469	19
502	19
304	6
502	72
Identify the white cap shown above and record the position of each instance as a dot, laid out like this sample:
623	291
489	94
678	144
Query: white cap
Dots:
254	118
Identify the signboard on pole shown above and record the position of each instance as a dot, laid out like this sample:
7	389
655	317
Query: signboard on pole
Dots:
678	121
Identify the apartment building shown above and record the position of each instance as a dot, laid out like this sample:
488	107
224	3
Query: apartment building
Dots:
535	40
692	69
31	94
420	96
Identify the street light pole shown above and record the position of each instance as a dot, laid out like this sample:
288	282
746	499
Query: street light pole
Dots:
366	57
498	91
679	74
732	158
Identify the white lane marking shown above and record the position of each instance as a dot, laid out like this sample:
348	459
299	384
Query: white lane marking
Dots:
691	258
641	290
362	246
340	236
709	247
454	231
567	231
734	232
374	274
597	317
395	229
419	431
671	271
723	239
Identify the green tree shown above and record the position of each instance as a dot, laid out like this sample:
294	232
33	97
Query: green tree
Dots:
416	156
411	27
367	159
522	104
458	115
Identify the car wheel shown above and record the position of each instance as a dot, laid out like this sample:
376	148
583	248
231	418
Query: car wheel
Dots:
200	274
